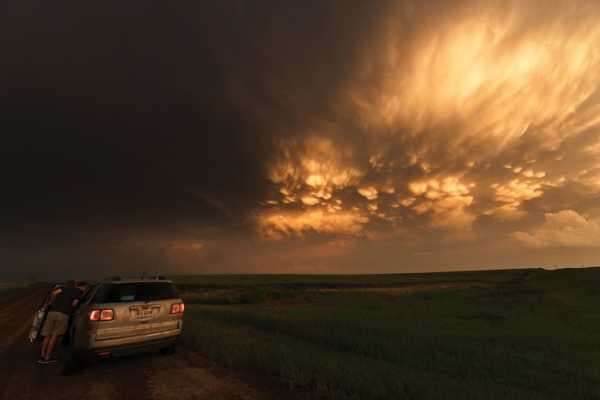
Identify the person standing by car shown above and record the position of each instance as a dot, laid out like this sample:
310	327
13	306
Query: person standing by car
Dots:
62	302
83	287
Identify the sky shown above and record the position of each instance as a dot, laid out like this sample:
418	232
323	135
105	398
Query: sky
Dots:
298	137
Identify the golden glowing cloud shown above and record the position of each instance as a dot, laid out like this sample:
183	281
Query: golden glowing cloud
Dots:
489	75
313	169
310	200
517	190
562	229
447	199
369	193
279	225
511	195
484	115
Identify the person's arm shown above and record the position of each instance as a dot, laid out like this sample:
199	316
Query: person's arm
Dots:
52	297
78	298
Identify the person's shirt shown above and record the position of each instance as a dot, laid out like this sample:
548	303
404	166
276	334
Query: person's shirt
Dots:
64	300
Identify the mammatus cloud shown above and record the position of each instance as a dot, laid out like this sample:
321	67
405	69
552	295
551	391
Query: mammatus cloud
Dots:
278	225
562	229
446	199
308	175
311	170
493	72
447	118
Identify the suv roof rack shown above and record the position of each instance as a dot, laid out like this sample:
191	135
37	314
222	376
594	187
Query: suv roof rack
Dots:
151	277
138	278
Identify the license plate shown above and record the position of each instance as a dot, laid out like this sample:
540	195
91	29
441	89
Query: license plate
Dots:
142	312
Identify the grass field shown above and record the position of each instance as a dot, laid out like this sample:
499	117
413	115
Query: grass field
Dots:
520	334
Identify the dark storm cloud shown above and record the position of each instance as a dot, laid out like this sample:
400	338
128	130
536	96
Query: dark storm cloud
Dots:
119	114
140	119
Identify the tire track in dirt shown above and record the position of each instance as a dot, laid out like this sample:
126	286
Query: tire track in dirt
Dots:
192	380
111	379
16	316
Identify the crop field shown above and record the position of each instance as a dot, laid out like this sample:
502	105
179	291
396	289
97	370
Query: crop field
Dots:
518	334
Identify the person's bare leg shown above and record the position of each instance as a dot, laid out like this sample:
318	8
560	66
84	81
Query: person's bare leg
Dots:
51	344
45	347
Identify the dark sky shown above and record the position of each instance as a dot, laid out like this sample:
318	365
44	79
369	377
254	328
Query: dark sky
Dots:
313	136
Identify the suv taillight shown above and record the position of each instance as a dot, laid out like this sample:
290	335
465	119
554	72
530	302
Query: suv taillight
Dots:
104	314
177	308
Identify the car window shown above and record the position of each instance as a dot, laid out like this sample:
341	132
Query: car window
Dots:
139	291
89	294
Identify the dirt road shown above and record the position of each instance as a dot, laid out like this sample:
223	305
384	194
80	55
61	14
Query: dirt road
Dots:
147	376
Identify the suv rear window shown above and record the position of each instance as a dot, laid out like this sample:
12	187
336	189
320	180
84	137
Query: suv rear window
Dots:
142	291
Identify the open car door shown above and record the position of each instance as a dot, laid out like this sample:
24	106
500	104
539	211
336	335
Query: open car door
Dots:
39	318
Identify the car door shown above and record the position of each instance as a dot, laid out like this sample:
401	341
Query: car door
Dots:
80	317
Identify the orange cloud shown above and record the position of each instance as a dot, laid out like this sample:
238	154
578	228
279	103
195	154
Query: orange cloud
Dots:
447	199
369	193
562	229
491	74
432	117
312	169
512	195
282	224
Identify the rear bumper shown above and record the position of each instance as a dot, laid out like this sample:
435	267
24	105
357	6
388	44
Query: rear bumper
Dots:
134	348
132	344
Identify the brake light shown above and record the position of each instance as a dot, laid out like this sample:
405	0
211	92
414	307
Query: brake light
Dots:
177	308
105	314
95	315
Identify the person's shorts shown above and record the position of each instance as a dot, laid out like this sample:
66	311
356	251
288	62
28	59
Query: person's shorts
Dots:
56	324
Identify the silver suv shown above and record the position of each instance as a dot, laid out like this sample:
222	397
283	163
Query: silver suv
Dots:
117	317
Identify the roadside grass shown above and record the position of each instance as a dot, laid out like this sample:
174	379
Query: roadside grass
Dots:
531	336
277	281
239	295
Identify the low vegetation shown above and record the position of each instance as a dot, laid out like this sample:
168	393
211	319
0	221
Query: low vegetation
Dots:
528	334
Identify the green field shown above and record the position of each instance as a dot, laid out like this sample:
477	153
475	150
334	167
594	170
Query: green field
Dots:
520	334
